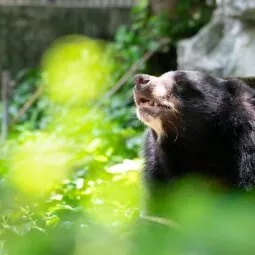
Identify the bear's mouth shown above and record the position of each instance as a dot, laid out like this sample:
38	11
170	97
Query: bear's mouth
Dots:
145	102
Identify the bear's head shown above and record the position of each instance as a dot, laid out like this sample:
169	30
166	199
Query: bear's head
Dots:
190	102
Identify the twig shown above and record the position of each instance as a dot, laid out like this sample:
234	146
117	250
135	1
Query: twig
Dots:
162	221
130	71
5	83
27	105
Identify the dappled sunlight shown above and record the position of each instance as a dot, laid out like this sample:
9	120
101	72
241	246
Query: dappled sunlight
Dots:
126	165
115	199
71	122
100	242
39	162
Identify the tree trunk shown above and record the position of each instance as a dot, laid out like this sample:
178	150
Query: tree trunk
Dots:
157	6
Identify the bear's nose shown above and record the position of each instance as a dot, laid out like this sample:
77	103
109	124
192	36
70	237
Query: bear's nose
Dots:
141	80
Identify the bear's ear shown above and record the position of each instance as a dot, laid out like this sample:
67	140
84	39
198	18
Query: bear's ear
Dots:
250	81
231	85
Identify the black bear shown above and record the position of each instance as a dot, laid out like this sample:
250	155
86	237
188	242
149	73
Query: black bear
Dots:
198	124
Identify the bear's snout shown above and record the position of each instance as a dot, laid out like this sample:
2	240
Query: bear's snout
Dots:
141	80
151	87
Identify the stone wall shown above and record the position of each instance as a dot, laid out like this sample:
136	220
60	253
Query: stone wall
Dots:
25	32
71	3
226	46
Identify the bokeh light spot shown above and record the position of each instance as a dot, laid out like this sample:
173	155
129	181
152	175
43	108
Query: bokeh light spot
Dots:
39	163
76	69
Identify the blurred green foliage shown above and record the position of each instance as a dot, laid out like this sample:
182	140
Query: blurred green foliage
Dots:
26	82
70	170
65	175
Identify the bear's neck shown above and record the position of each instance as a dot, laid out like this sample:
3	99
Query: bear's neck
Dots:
180	158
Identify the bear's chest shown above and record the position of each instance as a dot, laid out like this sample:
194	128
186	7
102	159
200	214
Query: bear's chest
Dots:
206	163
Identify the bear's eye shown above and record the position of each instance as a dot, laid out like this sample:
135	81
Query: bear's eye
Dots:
186	89
181	82
183	85
180	87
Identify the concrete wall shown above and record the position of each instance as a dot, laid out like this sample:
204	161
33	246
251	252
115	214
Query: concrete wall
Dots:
25	32
71	3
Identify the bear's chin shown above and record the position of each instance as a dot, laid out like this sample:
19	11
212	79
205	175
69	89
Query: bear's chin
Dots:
162	125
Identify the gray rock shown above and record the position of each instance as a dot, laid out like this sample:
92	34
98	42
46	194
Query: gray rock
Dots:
226	45
244	9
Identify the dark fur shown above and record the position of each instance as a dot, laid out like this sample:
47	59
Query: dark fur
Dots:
216	133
